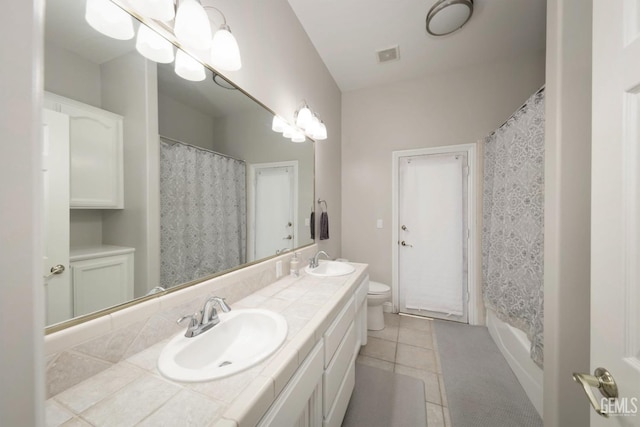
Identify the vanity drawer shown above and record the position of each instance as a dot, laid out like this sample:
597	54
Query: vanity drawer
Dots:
336	331
334	374
336	416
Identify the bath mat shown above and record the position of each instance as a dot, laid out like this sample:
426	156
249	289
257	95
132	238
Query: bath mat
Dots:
383	399
482	391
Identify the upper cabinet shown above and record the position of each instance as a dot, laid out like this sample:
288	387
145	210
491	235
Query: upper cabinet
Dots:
96	154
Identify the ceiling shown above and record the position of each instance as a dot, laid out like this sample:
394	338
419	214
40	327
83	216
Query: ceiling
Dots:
347	34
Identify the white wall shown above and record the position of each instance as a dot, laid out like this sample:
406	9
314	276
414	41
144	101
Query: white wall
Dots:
567	211
280	68
21	290
85	227
129	88
459	107
184	123
68	74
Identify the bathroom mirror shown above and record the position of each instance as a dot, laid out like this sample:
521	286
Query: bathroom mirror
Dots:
206	185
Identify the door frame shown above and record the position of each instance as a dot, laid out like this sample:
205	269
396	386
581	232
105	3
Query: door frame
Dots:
473	309
251	201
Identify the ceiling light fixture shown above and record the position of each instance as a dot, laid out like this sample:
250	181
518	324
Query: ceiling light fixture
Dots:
447	16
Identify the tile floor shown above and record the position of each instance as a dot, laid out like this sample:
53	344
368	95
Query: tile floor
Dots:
407	346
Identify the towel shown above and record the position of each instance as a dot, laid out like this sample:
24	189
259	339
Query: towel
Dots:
312	224
324	226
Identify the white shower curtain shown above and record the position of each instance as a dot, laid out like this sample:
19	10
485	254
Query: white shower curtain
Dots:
202	213
513	222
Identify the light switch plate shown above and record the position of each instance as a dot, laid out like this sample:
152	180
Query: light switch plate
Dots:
306	222
379	223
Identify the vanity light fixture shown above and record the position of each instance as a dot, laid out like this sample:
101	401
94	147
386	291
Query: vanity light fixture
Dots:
288	131
447	16
153	46
307	123
191	27
278	124
320	131
161	10
303	117
298	136
225	53
188	68
108	19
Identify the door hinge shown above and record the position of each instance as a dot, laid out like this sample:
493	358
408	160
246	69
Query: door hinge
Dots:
468	233
466	170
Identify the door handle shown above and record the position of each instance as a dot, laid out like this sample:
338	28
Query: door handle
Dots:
289	237
403	243
603	381
56	269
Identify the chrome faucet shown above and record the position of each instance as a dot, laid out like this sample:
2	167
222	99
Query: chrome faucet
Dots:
313	262
205	319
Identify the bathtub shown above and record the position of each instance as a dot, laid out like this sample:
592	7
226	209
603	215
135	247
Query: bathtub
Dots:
514	346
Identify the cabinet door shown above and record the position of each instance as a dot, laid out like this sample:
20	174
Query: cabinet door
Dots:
96	154
101	282
300	403
95	158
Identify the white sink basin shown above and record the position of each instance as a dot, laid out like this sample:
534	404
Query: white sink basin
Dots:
331	269
242	339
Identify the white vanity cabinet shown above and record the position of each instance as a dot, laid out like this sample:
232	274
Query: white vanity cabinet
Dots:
95	154
101	277
319	392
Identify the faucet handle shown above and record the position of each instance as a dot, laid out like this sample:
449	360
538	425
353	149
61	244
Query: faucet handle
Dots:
193	323
223	305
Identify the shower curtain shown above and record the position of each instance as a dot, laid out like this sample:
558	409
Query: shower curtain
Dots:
202	213
513	215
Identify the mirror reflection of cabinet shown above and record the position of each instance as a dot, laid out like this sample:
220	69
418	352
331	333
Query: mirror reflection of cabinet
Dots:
101	277
96	154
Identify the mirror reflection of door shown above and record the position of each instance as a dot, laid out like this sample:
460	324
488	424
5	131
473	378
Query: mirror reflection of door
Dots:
55	173
273	220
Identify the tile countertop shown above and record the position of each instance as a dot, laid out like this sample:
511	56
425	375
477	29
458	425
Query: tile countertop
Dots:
134	393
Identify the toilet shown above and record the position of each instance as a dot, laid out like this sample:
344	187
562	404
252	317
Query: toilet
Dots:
378	294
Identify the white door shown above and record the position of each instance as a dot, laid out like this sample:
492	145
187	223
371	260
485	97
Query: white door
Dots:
432	235
615	207
55	172
273	219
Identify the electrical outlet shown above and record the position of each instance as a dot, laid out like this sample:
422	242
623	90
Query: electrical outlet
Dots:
278	269
379	223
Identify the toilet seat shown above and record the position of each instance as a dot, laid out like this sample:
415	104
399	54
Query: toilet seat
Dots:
376	288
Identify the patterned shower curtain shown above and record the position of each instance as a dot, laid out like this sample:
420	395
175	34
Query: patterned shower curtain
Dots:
513	222
202	213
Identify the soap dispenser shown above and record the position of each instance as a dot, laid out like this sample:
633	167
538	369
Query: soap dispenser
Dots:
293	266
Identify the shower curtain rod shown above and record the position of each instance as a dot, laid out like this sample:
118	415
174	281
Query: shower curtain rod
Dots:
516	112
175	141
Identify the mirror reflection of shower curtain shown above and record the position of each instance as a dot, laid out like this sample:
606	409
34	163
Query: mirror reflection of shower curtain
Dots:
432	272
202	213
